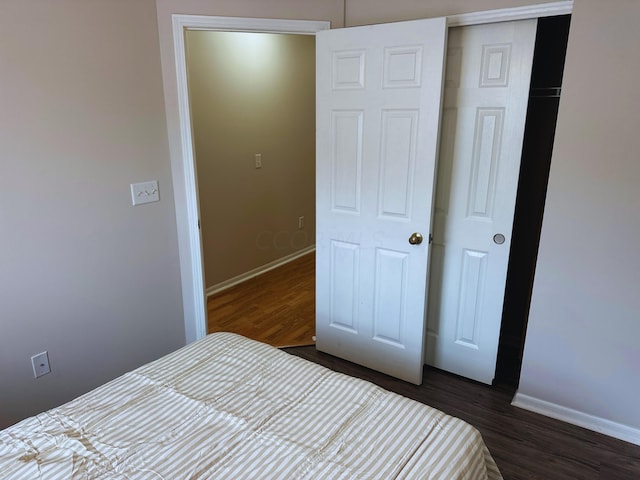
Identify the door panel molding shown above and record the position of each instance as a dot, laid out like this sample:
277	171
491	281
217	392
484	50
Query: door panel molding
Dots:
400	105
479	177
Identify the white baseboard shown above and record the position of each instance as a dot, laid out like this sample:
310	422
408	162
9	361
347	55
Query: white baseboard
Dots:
575	417
219	287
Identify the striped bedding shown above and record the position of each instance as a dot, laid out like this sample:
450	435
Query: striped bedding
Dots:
226	407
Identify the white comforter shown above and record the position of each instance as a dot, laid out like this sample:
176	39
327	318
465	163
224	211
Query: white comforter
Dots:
230	408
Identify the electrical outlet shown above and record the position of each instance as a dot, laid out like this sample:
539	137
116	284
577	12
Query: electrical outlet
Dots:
40	364
258	160
300	223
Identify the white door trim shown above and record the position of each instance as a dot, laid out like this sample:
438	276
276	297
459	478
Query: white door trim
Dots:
193	288
526	12
193	291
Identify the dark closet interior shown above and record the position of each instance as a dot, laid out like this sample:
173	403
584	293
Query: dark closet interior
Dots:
542	110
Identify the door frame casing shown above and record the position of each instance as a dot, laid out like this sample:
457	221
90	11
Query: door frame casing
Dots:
183	160
191	253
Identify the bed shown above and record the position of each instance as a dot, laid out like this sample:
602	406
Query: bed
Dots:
227	407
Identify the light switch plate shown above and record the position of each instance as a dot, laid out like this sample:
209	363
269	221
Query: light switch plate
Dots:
145	192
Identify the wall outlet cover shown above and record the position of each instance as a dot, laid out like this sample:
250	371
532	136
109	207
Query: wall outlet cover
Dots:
40	364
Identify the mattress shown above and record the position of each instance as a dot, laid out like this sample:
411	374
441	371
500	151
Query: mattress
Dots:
226	407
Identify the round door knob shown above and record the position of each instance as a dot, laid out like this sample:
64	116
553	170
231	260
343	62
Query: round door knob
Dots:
415	238
498	239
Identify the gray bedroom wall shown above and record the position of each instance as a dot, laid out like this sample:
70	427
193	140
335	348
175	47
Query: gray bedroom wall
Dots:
582	349
83	274
252	93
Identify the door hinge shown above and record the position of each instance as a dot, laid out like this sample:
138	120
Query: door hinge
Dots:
430	239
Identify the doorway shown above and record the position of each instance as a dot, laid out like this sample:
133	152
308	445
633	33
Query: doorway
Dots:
252	104
182	154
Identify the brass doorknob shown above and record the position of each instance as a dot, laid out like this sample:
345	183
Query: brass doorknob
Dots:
415	238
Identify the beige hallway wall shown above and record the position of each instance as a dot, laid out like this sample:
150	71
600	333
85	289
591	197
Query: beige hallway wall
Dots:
252	93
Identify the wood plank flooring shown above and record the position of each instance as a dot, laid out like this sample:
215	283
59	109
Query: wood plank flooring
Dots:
525	445
277	307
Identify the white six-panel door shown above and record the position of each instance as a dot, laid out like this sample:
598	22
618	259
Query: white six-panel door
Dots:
378	106
486	93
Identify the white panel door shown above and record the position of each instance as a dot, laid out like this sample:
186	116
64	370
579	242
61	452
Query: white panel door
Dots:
486	93
378	105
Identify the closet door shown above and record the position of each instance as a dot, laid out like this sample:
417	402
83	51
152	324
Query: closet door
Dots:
485	102
378	106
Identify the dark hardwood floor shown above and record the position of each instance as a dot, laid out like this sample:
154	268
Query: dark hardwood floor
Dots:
277	307
525	445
